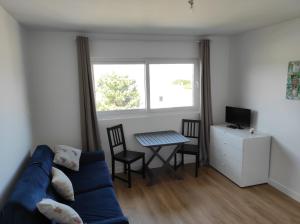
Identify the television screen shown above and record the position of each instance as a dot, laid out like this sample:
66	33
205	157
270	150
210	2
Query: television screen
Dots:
238	116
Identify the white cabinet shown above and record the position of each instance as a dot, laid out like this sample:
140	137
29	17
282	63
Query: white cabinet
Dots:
242	157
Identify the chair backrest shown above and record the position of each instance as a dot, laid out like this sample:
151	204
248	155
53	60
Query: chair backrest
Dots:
116	138
191	129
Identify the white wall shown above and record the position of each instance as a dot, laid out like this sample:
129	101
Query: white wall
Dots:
220	74
53	87
260	59
54	82
15	129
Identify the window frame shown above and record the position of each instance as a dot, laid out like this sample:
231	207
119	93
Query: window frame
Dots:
147	61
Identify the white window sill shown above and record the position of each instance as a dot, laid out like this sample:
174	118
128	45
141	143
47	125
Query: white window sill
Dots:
146	114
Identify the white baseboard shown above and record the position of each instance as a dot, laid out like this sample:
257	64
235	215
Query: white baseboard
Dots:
289	192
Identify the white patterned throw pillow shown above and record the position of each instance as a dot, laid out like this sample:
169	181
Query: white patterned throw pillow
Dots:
58	212
67	156
62	184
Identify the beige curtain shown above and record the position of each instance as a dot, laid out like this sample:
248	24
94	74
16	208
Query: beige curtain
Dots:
206	108
89	125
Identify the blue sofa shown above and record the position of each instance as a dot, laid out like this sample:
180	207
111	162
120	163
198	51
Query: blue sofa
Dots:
95	199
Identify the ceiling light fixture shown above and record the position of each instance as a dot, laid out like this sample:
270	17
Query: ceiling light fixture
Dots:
191	2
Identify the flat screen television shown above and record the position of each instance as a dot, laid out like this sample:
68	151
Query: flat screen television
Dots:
238	117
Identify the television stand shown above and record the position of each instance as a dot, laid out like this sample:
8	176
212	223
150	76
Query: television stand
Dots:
234	126
241	156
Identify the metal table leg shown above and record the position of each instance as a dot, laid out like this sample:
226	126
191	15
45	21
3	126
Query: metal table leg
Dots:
166	163
148	170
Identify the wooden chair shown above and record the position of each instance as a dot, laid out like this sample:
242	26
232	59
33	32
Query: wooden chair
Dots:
116	139
190	129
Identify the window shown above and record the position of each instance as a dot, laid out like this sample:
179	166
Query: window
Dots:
145	86
119	86
171	85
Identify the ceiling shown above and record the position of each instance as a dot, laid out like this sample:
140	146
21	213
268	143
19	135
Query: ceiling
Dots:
152	16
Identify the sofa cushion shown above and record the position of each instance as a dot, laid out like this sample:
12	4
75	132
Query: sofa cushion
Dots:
90	157
97	205
118	220
13	213
31	187
43	156
90	177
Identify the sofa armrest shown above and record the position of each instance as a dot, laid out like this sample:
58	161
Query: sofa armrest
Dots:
118	220
89	157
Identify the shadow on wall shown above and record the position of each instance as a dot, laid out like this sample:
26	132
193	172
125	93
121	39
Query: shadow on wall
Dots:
5	195
254	118
282	172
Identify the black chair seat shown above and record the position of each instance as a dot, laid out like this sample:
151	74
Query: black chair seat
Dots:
129	156
189	149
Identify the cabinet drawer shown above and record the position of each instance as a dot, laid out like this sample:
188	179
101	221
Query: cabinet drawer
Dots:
230	169
218	150
234	141
227	136
218	164
231	152
226	157
234	169
220	137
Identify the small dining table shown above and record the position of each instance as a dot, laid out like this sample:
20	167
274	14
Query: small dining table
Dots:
155	141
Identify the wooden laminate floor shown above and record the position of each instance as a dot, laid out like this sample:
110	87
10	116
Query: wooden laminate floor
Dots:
209	199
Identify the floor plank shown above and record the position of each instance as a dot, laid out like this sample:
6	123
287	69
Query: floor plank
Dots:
209	199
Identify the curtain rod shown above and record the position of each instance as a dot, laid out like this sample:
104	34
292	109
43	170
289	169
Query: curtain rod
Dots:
142	38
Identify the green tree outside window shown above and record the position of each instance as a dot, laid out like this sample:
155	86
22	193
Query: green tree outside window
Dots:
117	92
